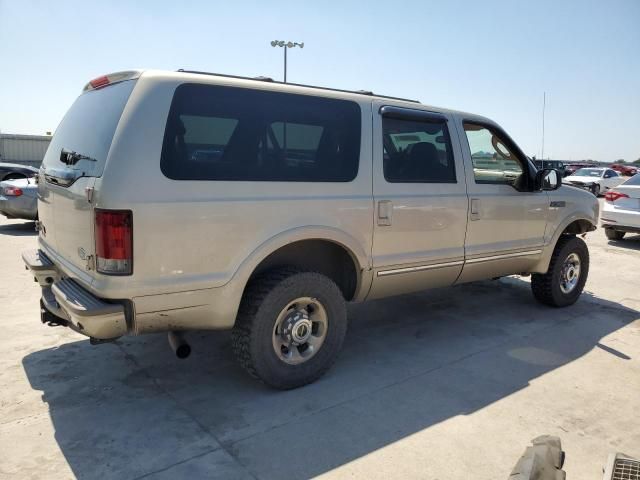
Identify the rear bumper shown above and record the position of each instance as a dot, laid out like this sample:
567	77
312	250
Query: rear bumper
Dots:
620	219
66	299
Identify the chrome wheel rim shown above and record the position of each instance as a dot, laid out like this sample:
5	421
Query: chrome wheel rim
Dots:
570	273
300	330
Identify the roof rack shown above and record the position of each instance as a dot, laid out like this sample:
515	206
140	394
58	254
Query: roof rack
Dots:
271	80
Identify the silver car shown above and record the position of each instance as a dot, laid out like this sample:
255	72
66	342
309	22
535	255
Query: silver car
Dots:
177	201
19	198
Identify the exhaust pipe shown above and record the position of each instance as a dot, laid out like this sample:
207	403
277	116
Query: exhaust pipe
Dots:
179	345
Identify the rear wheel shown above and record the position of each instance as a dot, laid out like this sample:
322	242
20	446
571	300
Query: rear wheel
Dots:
564	281
290	327
613	234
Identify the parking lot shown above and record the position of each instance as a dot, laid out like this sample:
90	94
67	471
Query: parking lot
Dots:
446	384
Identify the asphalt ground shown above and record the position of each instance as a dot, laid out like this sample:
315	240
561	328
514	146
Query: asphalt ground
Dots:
445	384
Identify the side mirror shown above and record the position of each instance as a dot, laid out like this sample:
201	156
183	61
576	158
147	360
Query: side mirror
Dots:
547	179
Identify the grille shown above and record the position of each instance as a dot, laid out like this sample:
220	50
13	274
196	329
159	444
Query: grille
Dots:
626	469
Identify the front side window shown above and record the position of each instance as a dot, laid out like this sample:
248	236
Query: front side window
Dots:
493	162
237	134
417	152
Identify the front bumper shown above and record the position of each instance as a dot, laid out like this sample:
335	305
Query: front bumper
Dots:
69	301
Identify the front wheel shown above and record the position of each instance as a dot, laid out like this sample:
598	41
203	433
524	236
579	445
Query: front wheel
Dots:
564	281
290	327
596	190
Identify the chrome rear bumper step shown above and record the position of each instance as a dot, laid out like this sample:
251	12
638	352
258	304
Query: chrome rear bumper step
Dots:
36	260
68	300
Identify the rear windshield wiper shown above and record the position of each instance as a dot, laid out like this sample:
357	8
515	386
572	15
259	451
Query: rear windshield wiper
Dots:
71	158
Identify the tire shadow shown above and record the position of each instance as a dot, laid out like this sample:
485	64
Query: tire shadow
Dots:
630	242
27	229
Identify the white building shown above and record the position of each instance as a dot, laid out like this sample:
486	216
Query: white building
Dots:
23	149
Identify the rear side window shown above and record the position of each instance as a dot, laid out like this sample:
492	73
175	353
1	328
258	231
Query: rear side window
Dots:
417	151
493	161
88	127
237	134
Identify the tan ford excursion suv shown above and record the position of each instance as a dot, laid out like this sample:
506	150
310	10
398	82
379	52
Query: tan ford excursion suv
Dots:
176	201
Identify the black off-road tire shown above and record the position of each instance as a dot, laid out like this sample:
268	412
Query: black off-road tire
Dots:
613	234
263	300
546	287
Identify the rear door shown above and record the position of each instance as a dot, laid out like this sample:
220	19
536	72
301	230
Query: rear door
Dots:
420	201
75	158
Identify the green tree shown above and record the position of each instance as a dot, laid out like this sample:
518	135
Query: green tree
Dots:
637	161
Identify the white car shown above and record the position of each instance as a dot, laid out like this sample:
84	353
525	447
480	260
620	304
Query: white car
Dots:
621	212
596	180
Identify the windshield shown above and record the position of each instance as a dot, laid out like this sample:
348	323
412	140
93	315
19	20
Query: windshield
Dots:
589	172
88	128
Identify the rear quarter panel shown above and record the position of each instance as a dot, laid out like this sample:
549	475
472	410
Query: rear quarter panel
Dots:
192	235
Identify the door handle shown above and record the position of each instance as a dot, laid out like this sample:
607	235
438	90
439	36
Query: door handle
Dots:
475	209
385	209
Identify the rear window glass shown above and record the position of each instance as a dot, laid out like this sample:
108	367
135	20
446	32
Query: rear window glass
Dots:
89	126
417	152
635	180
227	133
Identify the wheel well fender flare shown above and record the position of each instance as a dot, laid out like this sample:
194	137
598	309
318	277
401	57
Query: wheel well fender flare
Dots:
583	224
352	246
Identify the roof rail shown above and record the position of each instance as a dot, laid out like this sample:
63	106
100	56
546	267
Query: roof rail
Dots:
271	80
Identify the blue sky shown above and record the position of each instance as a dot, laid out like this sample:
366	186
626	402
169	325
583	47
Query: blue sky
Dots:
494	58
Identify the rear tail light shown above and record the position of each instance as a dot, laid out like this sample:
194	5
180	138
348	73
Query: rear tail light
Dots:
612	196
114	242
110	79
99	82
12	191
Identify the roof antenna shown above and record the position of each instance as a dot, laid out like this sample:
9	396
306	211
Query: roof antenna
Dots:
544	103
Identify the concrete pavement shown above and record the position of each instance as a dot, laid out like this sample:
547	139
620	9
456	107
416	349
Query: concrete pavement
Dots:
446	384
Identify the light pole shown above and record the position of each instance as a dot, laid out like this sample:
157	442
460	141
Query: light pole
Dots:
286	45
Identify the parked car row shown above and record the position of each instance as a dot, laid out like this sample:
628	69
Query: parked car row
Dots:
555	164
570	168
596	180
629	170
